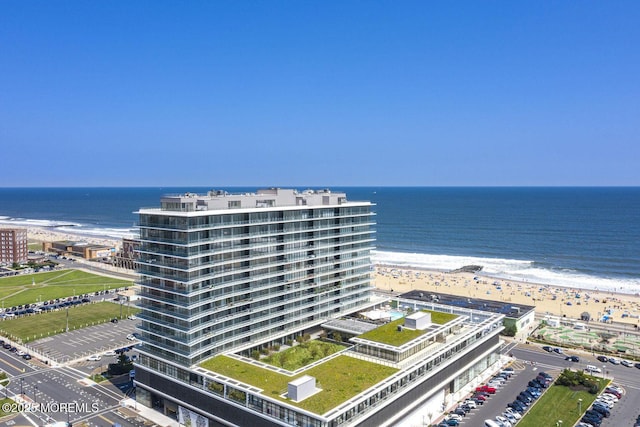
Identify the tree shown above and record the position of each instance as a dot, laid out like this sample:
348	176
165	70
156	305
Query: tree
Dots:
510	330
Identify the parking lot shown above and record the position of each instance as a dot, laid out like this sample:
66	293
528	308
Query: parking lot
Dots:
531	360
496	403
84	342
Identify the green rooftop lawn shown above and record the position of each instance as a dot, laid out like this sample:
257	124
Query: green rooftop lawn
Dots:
31	288
302	354
389	334
340	379
28	328
559	403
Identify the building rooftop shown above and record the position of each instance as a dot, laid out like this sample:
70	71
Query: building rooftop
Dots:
506	308
263	198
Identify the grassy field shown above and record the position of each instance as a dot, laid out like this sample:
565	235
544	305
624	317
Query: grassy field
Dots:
41	325
2	402
389	334
559	403
31	288
340	379
302	354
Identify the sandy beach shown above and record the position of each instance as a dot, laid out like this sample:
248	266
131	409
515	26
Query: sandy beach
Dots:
547	299
37	234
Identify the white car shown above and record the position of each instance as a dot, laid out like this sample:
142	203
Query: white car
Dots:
471	404
510	417
502	420
109	353
515	413
610	396
21	353
131	337
132	317
94	358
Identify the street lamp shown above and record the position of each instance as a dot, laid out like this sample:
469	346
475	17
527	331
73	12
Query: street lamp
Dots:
604	367
35	394
21	388
579	406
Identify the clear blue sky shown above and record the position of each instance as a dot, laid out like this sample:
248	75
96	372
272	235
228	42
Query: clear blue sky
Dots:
277	93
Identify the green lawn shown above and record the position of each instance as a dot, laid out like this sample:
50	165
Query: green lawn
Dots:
31	288
2	402
389	334
28	328
340	379
559	403
302	354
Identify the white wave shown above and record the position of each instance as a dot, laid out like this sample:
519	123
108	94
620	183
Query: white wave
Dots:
23	222
70	227
520	270
118	233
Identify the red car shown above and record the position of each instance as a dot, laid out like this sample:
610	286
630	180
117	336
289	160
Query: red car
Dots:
490	390
480	397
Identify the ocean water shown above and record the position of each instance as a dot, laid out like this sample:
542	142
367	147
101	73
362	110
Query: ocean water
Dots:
577	237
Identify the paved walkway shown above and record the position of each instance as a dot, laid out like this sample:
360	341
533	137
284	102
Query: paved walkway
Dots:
150	414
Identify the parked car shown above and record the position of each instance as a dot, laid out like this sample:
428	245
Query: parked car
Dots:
614	361
558	350
502	420
616	393
94	358
616	388
26	356
478	401
513	412
603	358
547	348
602	409
572	358
626	363
486	388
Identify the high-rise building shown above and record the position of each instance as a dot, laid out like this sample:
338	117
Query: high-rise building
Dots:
225	277
13	245
231	271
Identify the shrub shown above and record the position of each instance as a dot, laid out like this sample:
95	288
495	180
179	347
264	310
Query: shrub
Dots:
216	387
238	395
255	354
